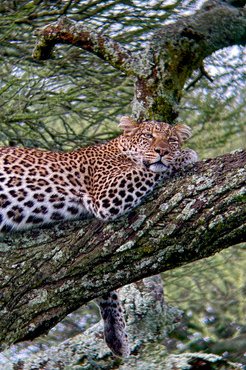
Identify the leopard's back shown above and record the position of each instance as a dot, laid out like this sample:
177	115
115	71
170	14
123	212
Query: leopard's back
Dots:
38	187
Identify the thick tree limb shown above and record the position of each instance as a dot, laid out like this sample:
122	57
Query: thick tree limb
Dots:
166	62
45	274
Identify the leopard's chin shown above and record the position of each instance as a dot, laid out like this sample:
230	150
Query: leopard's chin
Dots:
158	167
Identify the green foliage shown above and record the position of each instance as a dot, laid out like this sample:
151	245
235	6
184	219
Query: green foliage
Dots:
216	110
211	293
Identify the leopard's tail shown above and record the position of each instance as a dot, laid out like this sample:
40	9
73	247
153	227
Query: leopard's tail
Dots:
114	324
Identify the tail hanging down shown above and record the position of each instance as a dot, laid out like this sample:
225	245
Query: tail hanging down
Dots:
114	324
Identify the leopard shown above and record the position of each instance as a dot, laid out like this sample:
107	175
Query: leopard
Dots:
105	181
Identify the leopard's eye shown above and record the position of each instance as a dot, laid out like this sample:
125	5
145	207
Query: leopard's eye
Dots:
147	135
173	140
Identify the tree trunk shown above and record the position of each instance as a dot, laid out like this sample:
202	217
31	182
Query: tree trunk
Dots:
46	274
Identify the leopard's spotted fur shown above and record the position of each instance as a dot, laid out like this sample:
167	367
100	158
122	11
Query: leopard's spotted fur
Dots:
105	181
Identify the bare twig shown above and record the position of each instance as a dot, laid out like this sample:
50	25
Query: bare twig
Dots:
202	73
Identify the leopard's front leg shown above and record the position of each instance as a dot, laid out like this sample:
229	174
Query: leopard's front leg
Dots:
121	192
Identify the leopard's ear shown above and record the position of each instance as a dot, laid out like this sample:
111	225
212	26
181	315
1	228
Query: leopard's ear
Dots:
128	125
183	132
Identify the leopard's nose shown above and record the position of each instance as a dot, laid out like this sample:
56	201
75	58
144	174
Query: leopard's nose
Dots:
162	151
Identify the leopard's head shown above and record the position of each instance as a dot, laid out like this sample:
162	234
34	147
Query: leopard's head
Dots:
152	144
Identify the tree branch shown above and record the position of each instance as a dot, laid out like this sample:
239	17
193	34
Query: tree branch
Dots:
66	31
46	274
202	73
178	49
163	67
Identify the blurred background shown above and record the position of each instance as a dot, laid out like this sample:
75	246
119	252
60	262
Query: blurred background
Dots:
75	99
